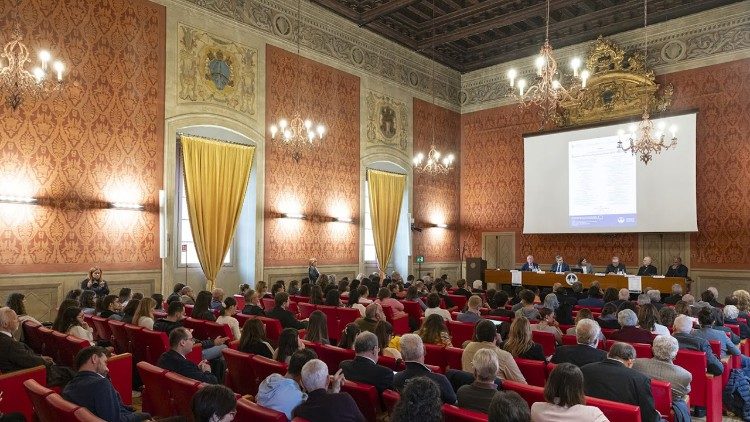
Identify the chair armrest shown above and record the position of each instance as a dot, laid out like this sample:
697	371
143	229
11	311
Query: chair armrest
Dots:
713	398
196	355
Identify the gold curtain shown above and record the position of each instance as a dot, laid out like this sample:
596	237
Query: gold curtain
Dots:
386	192
216	178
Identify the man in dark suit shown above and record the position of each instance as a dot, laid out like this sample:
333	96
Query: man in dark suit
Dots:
461	290
364	368
412	350
629	332
321	405
283	314
15	356
683	327
252	304
530	265
92	389
614	379
677	269
647	268
181	343
594	298
615	267
585	352
560	266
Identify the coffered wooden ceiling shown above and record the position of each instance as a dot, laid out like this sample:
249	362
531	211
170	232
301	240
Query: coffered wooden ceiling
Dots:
471	34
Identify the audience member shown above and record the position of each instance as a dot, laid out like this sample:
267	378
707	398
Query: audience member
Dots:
675	296
74	325
128	310
289	342
412	295
743	302
202	309
226	316
412	349
471	315
316	295
655	296
348	335
217	299
419	402
17	302
564	398
282	313
707	331
253	339
214	403
144	314
714	299
731	313
587	336
384	333
614	379
623	295
176	293
485	337
284	392
92	389
519	343
667	316
385	299
373	314
59	324
501	299
88	302
181	343
594	299
322	405
317	328
461	289
548	324
211	348
660	367
95	282
364	367
433	307
648	319
187	295
527	308
508	406
126	293
629	332
353	301
434	331
293	288
683	332
252	304
479	394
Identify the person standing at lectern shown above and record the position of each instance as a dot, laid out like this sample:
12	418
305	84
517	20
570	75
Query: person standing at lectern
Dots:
615	267
647	268
530	265
560	266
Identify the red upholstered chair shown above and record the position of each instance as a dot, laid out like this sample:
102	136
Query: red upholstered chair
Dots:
332	321
299	299
345	316
102	328
15	397
149	345
497	318
390	398
333	356
314	346
121	374
412	309
734	327
616	412
662	392
198	326
69	348
530	393
268	303
213	330
33	337
608	331
55	343
391	363
460	332
400	324
155	397
249	411
643	350
546	340
456	414
182	389
459	301
84	415
240	376
240	301
120	336
64	410
189	310
263	367
36	392
453	357
273	329
242	319
366	397
569	340
535	371
705	389
435	355
305	309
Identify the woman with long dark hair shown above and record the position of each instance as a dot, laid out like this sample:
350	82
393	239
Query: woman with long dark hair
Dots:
434	331
564	398
59	323
348	335
75	326
316	295
353	302
317	328
226	316
17	302
289	342
253	339
202	308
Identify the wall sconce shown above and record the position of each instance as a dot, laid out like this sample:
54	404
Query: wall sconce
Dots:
10	199
344	219
294	215
126	206
441	225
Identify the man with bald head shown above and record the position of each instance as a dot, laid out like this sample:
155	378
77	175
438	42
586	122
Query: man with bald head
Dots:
530	265
647	269
616	267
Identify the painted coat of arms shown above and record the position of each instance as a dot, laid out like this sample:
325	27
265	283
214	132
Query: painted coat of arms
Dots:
386	121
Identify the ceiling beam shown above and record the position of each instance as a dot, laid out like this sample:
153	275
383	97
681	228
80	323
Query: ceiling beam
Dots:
385	9
466	12
339	8
505	19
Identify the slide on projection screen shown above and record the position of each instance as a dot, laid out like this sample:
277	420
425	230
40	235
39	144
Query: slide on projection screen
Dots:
577	181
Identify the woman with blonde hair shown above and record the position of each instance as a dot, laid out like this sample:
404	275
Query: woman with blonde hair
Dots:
520	344
262	289
743	302
95	282
312	270
144	314
434	331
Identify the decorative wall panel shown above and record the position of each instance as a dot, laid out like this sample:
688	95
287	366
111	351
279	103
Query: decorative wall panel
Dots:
387	122
98	141
325	183
215	70
436	197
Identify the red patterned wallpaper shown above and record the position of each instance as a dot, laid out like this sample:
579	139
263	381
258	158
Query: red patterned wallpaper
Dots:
325	183
99	141
721	93
492	176
436	197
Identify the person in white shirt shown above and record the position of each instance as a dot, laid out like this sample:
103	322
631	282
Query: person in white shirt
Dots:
433	307
564	398
648	319
144	314
227	316
76	326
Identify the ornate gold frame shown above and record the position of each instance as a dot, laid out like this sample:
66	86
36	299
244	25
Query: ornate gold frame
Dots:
620	86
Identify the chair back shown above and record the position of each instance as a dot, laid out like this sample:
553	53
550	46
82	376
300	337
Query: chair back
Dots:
530	393
366	397
534	371
273	329
155	396
616	412
189	310
121	375
102	328
334	355
662	392
412	309
182	390
459	301
249	411
391	363
63	409
36	392
332	321
453	357
390	398
434	355
240	376
12	385
305	309
460	332
213	330
120	336
546	340
263	367
345	317
33	337
268	303
240	301
453	413
69	348
643	350
569	340
150	345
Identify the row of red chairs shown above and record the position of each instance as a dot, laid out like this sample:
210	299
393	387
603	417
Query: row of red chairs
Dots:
336	317
49	406
59	346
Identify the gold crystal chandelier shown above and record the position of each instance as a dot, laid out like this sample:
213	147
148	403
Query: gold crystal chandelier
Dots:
547	91
297	134
17	81
643	140
435	162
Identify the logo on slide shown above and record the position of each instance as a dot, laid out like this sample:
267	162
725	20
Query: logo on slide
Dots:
571	278
620	220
